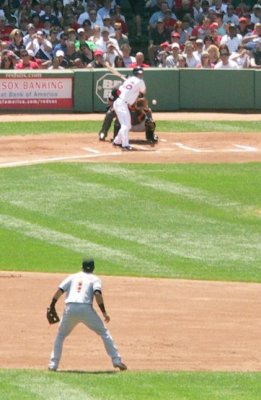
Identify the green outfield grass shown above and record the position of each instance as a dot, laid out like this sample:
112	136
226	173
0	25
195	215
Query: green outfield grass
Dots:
173	221
34	128
38	385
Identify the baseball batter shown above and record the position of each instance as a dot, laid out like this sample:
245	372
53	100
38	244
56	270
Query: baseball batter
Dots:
128	93
80	289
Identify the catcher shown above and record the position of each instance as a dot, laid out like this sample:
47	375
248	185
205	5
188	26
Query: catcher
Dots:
141	119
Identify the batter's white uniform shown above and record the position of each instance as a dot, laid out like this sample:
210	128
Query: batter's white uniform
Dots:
129	91
79	289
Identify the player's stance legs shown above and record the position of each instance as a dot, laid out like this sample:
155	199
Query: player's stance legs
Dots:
92	320
68	322
123	114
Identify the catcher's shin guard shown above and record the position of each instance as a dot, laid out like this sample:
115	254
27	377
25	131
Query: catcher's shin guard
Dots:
116	128
150	127
110	114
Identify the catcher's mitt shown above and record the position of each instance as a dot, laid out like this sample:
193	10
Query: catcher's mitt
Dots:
141	104
52	315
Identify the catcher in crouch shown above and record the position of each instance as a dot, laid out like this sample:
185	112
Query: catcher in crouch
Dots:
141	119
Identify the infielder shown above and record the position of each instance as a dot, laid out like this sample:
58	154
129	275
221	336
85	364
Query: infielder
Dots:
128	93
80	289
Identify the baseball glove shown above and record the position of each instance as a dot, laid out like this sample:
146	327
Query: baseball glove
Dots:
141	104
52	315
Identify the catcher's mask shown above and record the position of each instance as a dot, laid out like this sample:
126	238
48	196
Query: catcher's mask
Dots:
137	71
88	265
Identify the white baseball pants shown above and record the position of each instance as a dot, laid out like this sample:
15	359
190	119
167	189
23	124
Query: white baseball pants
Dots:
122	110
75	313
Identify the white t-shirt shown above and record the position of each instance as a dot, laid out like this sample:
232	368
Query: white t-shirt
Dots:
231	65
131	88
80	287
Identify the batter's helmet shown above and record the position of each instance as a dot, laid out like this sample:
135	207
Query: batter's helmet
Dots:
88	265
137	71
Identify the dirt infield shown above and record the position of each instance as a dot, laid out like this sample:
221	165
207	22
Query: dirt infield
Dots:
158	324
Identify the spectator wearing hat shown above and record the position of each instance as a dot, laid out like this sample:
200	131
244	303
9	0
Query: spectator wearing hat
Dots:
157	35
107	23
216	37
175	36
41	47
162	54
256	14
172	58
243	28
5	29
119	35
199	47
25	61
16	44
98	61
192	60
101	44
128	59
205	62
230	16
225	62
232	39
255	57
81	38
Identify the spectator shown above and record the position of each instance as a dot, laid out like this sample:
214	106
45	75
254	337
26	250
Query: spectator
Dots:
172	59
118	35
214	55
107	23
126	55
255	58
243	28
62	45
87	29
205	9
53	36
191	59
199	48
95	19
197	12
73	56
48	15
219	7
41	63
241	57
205	61
5	29
251	38
225	62
162	54
230	17
168	20
85	55
214	33
96	34
16	44
232	39
98	61
30	34
139	61
8	60
25	62
56	63
175	36
58	10
101	44
208	41
111	53
119	62
200	31
118	17
157	35
160	14
256	14
182	62
41	47
241	8
106	9
82	39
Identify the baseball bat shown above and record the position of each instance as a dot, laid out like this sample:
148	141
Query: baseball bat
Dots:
114	71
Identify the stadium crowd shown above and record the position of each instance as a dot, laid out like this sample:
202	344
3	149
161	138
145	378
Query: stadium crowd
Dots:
58	34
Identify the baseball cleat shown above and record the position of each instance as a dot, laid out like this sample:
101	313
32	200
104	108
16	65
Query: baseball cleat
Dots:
121	366
53	369
101	136
127	148
116	144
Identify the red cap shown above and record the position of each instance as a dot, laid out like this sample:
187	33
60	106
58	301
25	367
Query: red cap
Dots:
164	44
98	53
175	34
242	19
213	26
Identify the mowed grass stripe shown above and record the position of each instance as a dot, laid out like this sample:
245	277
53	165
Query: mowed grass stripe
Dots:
79	127
171	221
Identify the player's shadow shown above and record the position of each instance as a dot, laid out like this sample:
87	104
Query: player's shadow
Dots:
75	371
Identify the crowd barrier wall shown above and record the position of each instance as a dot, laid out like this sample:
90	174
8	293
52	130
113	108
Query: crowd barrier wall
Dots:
87	91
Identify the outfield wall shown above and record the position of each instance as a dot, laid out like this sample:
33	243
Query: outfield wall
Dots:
86	91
